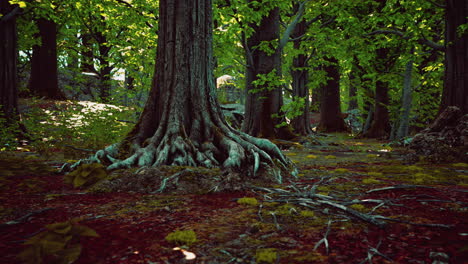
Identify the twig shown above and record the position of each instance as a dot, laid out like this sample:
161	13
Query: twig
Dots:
275	221
402	186
324	240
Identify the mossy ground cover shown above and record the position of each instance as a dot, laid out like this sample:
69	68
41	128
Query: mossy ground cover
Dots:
425	207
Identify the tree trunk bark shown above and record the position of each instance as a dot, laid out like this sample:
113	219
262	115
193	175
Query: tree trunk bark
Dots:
456	57
8	64
182	123
105	69
331	119
299	74
264	101
44	72
406	100
380	126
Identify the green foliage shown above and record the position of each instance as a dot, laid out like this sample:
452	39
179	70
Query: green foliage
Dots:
86	175
60	243
84	124
182	237
266	255
8	132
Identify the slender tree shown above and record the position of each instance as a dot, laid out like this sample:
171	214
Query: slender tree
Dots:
182	122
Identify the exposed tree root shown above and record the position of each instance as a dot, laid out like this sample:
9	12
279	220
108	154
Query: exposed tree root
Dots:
230	150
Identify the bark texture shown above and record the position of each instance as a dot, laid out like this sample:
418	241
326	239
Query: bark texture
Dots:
456	57
8	63
182	122
44	72
263	101
380	126
331	119
299	74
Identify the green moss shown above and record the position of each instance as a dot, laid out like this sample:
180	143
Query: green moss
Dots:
375	174
182	237
330	157
266	255
307	213
341	170
358	207
460	165
248	201
370	181
311	156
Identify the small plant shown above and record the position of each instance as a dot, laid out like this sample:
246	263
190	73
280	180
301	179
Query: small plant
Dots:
266	255
60	243
311	156
248	201
182	237
86	175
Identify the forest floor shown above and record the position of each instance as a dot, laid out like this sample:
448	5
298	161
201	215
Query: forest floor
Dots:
354	201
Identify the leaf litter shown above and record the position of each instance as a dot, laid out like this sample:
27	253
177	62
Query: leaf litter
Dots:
351	203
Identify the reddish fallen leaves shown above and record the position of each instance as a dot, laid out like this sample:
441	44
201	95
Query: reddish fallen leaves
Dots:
132	226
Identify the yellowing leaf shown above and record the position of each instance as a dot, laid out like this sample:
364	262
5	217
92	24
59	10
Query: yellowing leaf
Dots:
60	228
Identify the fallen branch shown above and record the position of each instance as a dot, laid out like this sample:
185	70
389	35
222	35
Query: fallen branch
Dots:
415	224
402	186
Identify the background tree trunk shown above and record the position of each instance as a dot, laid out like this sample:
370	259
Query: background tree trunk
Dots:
406	100
182	123
264	101
456	57
44	73
331	119
8	64
299	74
380	125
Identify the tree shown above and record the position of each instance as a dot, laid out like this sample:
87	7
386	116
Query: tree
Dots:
182	122
263	77
300	80
44	72
8	59
455	91
331	119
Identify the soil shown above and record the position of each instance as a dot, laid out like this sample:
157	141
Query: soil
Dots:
424	211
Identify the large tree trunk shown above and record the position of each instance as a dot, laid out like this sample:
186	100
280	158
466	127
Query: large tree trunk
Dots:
263	101
8	63
456	57
182	123
331	119
44	77
299	74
